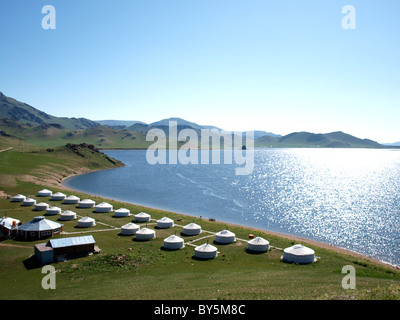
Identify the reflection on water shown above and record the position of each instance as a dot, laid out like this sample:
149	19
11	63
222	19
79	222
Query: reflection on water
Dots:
345	197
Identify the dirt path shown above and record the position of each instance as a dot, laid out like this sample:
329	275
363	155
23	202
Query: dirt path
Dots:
6	149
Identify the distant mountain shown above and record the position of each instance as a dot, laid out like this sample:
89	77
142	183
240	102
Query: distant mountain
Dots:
336	139
118	123
393	144
26	114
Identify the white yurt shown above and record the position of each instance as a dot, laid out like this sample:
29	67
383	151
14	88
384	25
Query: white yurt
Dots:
44	193
67	215
86	222
173	243
225	237
58	196
205	251
122	212
165	222
129	229
41	206
298	254
53	211
191	229
103	207
18	198
87	203
29	202
142	217
145	234
71	200
258	244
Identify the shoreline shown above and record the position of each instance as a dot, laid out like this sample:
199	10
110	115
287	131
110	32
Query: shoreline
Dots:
316	243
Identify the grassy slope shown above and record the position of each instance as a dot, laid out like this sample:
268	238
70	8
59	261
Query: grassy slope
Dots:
145	271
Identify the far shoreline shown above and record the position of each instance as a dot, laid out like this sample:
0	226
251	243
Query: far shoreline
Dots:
254	229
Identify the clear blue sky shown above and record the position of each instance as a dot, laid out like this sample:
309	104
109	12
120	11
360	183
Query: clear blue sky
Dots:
279	66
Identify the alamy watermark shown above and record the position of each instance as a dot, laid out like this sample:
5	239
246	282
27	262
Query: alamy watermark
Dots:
196	150
349	280
49	280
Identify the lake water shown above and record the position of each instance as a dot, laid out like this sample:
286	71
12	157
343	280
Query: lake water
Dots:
349	198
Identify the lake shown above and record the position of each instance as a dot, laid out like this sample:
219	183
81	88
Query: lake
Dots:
349	198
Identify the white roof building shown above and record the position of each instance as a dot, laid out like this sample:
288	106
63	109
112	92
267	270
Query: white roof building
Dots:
67	215
18	198
122	212
58	196
87	203
41	206
142	217
205	251
173	243
53	211
258	244
44	193
225	237
165	222
103	207
191	229
29	202
71	200
145	234
129	229
86	222
298	254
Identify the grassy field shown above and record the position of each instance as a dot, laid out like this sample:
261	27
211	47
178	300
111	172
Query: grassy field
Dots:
128	269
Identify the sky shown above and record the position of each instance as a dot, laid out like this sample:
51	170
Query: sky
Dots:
278	66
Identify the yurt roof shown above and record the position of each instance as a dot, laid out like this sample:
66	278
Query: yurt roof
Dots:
122	210
55	208
39	224
44	191
68	213
19	196
86	219
145	231
104	204
59	194
142	215
173	239
130	225
72	198
299	250
165	219
7	222
87	201
29	200
225	233
259	241
206	247
192	225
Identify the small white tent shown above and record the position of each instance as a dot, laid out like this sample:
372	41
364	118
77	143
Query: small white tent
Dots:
191	229
225	237
142	217
86	222
53	211
41	206
145	234
205	251
87	203
298	254
173	243
58	196
165	222
129	229
71	200
18	198
103	207
29	202
44	193
122	212
67	215
258	244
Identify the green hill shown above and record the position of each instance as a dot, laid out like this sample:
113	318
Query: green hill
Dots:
26	114
313	140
